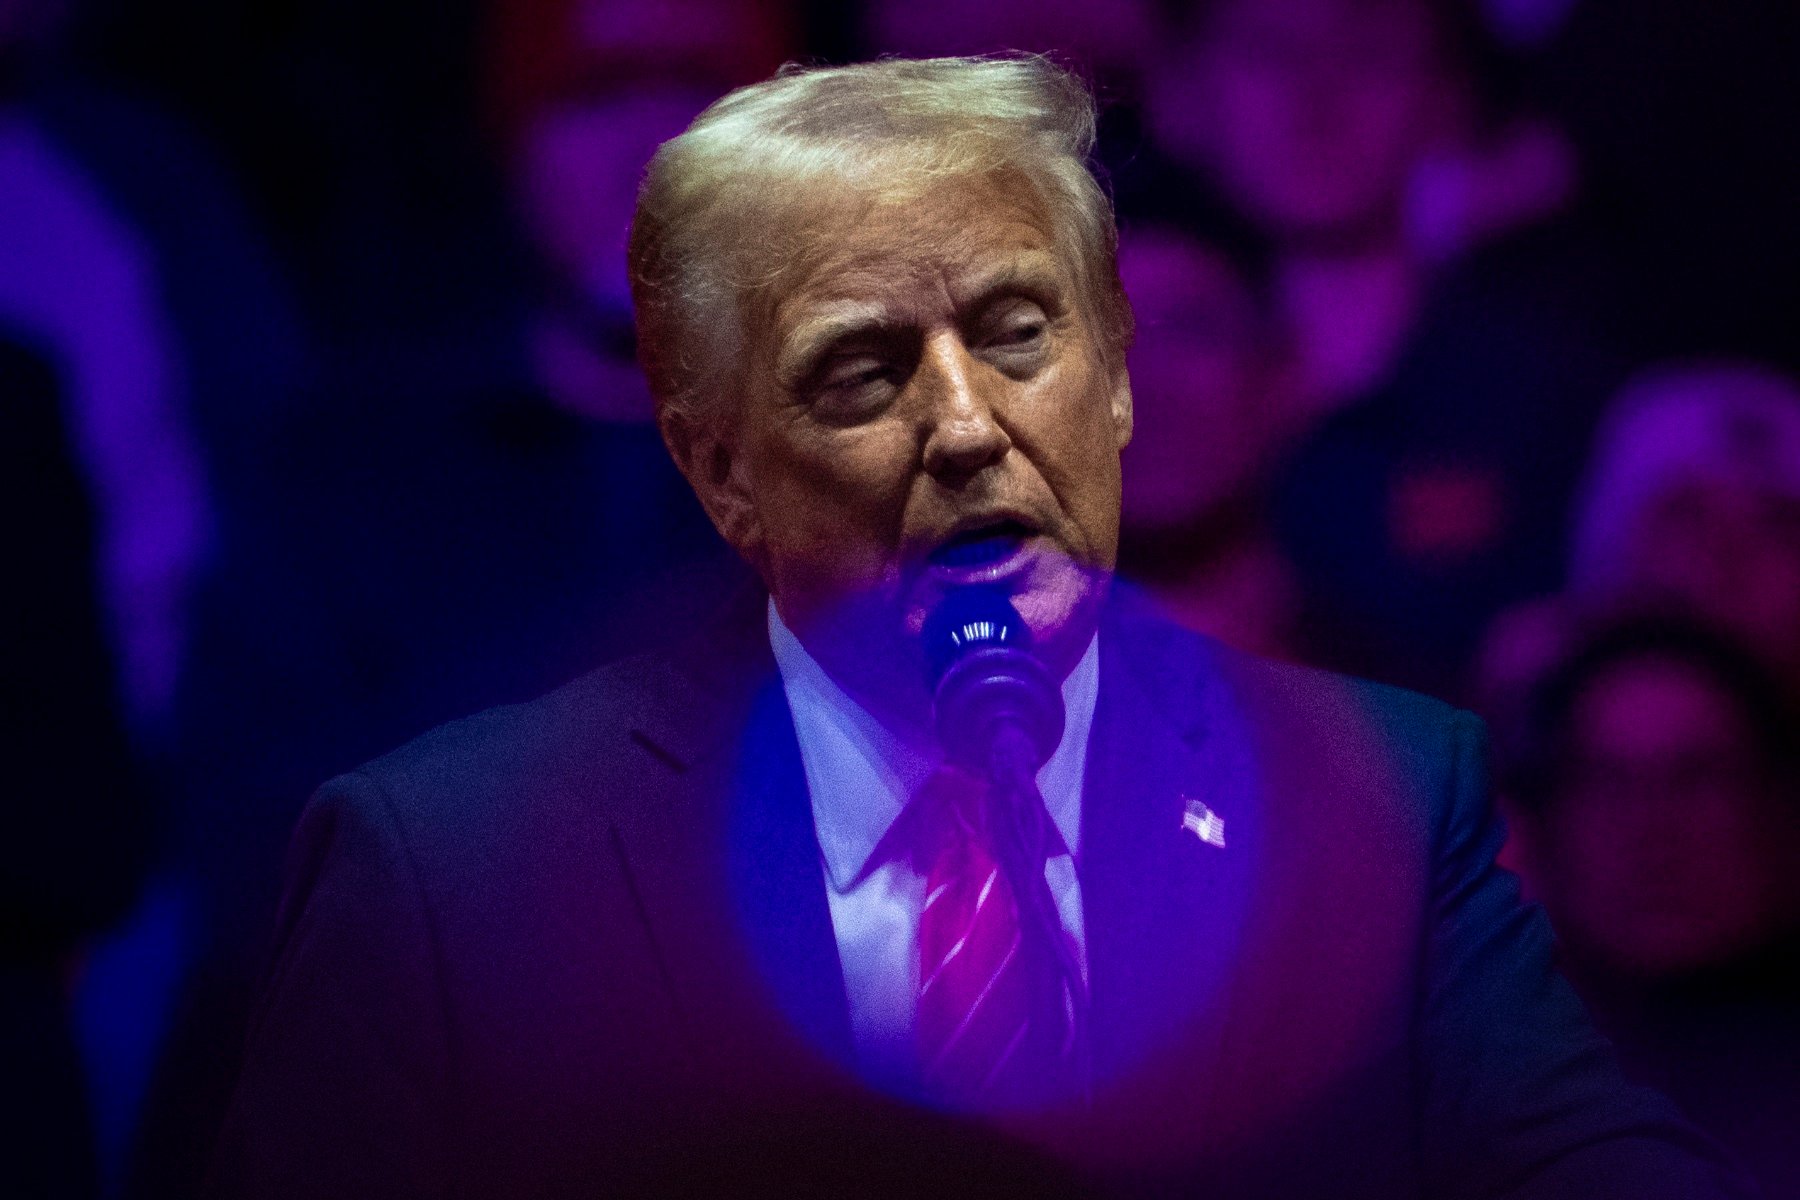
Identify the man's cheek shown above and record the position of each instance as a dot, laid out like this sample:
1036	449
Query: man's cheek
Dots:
850	557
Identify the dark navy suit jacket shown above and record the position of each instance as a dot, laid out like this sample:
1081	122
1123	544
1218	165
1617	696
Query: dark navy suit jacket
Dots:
582	947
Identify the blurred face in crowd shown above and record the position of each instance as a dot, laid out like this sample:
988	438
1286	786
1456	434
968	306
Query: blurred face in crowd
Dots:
575	173
1731	553
592	88
576	178
1662	847
1203	378
925	404
1311	113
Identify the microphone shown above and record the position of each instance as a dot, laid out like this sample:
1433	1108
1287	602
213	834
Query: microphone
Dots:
1000	715
998	711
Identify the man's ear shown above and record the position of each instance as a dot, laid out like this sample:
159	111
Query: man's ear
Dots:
1121	409
708	453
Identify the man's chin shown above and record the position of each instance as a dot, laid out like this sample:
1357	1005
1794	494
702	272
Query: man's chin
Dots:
1063	620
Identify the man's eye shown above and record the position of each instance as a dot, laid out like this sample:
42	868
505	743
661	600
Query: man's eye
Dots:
1021	333
1015	328
858	373
852	389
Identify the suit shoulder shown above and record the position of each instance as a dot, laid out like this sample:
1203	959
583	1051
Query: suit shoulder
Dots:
571	737
1396	711
1177	661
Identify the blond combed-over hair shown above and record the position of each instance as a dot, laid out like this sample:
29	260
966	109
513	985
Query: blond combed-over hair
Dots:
708	237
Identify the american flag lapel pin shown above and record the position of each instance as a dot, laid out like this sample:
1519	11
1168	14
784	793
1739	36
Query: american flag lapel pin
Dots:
1203	822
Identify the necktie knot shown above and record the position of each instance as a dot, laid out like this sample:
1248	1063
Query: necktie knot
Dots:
955	809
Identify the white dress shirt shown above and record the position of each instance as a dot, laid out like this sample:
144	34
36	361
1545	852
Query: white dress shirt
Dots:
860	775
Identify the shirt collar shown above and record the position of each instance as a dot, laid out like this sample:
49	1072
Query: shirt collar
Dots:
861	775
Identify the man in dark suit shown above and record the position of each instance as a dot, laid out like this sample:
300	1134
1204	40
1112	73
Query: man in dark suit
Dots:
723	919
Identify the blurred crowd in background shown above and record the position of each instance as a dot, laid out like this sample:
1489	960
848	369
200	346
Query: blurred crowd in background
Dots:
1466	360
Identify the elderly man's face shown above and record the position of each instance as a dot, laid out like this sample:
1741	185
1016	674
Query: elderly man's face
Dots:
926	406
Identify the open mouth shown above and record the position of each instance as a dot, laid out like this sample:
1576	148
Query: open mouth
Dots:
982	545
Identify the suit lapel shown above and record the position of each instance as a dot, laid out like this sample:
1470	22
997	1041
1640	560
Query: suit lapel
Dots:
725	863
778	882
1163	907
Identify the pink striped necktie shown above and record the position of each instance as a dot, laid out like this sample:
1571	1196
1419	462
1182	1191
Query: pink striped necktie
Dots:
999	1002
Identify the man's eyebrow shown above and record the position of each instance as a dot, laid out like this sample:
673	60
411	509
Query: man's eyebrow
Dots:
821	330
1036	276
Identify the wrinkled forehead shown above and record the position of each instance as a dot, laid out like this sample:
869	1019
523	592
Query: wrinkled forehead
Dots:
853	241
883	250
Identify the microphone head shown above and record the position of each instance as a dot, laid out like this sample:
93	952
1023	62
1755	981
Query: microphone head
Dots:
984	678
970	619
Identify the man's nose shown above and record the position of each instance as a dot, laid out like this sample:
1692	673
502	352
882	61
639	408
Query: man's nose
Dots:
963	434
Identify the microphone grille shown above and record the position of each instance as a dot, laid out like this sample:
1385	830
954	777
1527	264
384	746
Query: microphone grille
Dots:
971	619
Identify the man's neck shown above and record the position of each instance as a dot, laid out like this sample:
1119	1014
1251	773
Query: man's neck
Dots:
885	677
888	680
